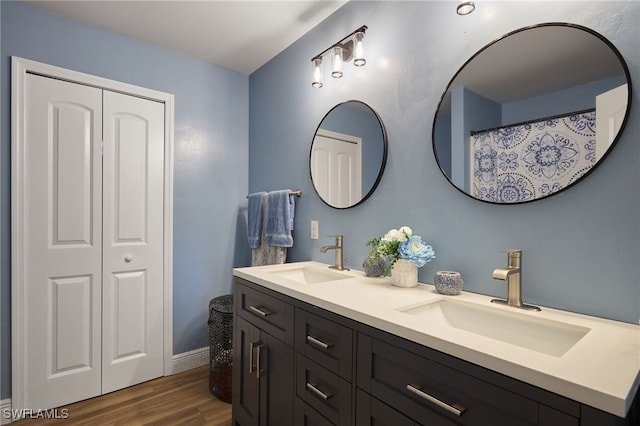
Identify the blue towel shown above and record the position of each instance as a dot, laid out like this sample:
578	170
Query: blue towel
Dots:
254	218
279	218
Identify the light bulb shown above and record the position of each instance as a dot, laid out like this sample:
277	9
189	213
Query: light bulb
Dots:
336	62
358	57
317	72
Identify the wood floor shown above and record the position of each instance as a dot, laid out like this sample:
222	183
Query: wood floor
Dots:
181	399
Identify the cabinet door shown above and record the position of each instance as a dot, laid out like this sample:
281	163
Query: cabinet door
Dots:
275	362
262	377
246	383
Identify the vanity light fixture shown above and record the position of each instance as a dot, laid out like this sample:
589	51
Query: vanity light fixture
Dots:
317	72
465	7
350	47
336	61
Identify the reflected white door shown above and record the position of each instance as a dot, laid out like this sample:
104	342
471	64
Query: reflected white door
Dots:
611	107
93	258
63	251
336	167
132	240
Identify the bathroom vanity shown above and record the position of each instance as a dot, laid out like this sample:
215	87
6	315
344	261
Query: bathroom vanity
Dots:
313	346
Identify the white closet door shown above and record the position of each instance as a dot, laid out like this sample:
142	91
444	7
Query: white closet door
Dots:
132	240
336	167
63	250
611	107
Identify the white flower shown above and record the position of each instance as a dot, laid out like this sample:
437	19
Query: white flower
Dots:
400	235
393	235
407	231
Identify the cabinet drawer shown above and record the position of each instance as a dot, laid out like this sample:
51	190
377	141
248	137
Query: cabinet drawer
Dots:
304	415
432	393
326	392
324	341
371	412
267	312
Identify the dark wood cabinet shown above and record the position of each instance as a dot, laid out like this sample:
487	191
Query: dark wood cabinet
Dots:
297	364
372	412
263	374
433	393
325	391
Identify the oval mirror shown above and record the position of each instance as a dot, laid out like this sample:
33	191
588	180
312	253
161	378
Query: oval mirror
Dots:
532	113
348	154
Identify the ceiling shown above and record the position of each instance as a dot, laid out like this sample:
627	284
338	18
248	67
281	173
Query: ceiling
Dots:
239	35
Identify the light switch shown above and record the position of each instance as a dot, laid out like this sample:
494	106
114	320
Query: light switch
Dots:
314	229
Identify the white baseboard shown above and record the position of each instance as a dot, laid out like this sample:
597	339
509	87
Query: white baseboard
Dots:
188	360
180	362
5	411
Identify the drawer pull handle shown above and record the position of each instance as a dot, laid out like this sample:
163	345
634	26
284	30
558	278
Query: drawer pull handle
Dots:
416	390
318	343
317	392
259	311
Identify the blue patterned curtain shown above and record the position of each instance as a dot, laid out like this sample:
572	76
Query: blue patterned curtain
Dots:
524	162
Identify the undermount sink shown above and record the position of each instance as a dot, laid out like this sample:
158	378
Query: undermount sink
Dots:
539	334
306	274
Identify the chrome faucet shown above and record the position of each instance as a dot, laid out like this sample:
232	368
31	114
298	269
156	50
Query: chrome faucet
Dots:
512	274
338	248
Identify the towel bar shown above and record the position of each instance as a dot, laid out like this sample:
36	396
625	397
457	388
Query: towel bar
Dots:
297	193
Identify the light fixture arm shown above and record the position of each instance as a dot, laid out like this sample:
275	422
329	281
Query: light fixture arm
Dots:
346	47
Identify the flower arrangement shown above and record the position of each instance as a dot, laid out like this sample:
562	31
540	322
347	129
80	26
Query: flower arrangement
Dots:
399	244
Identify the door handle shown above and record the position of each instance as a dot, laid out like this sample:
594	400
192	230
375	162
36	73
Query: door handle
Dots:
251	357
259	371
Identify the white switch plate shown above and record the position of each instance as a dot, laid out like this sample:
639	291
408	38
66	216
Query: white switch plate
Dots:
314	229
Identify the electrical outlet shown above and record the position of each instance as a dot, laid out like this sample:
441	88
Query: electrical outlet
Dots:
314	229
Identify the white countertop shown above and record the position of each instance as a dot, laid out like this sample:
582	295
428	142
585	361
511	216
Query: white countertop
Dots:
601	370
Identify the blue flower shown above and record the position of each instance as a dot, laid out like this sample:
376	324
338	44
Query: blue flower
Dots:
416	251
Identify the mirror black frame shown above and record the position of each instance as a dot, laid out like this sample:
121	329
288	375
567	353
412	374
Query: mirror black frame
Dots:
519	30
382	165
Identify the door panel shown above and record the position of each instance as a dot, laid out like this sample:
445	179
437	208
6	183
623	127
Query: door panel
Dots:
132	240
63	247
71	175
70	345
129	290
611	108
336	167
131	146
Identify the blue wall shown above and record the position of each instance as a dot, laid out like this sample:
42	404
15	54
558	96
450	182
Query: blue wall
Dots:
581	247
211	155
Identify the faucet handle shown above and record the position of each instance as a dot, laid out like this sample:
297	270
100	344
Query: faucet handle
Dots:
514	257
337	237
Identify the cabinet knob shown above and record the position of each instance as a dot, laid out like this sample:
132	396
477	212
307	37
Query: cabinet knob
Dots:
128	258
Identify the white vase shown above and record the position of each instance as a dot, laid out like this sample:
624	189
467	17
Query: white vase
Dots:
404	273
